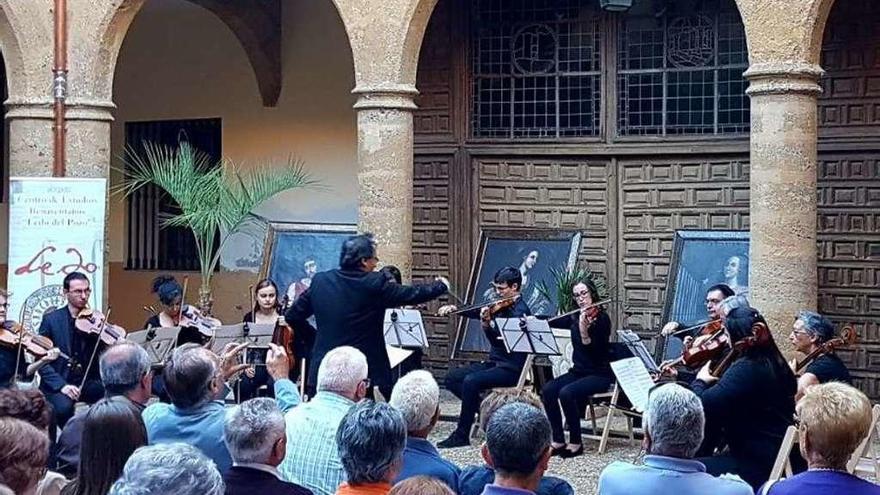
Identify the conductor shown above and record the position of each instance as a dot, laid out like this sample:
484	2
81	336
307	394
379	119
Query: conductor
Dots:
349	307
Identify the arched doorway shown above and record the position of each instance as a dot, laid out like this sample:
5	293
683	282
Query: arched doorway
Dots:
182	66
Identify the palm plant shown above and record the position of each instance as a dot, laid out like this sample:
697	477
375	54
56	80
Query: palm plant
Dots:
564	279
213	197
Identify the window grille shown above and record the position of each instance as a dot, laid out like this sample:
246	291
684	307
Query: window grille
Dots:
680	72
536	68
150	246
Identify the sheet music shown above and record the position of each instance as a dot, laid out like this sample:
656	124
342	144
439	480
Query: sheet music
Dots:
397	355
635	381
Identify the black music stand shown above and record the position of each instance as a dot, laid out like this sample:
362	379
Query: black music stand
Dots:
528	335
637	347
404	328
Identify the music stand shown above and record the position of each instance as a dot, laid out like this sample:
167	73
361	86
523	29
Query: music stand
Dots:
637	347
157	341
528	335
404	328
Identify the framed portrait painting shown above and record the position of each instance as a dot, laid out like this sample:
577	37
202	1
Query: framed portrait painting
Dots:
701	259
295	252
534	252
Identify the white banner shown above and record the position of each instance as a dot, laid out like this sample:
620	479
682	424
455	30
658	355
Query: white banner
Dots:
56	227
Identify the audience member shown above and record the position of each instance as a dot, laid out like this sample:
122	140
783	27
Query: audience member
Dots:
417	397
674	423
420	485
518	448
370	439
112	429
313	459
125	372
24	451
474	478
30	405
172	468
254	434
834	419
195	379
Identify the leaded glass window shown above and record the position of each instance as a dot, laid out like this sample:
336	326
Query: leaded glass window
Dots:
536	68
680	71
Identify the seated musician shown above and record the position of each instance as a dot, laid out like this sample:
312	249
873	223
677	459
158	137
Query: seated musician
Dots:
752	403
61	380
809	331
590	373
266	311
174	312
502	369
13	364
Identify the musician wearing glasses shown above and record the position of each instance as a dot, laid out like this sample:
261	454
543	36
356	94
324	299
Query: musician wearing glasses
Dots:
809	332
502	369
590	372
61	380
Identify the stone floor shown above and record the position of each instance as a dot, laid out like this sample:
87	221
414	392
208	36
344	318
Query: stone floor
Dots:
582	472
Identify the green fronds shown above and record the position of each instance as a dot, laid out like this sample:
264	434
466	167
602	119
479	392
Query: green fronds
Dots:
564	279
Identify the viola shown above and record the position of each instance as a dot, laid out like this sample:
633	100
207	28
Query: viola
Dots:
13	335
703	349
760	337
190	317
93	322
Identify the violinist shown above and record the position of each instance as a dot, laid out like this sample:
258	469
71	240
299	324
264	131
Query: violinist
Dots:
749	406
502	369
266	311
176	313
12	355
590	373
61	380
809	332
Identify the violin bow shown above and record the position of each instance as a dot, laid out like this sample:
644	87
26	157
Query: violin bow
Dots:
693	327
182	298
95	349
578	310
481	305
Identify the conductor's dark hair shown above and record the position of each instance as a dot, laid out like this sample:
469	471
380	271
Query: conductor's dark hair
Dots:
723	288
392	273
71	277
508	275
356	249
167	289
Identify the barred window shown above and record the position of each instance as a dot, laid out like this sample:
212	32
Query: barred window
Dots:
680	71
536	68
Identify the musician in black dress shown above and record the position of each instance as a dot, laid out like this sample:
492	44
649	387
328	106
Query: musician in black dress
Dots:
590	373
502	369
810	330
61	380
751	405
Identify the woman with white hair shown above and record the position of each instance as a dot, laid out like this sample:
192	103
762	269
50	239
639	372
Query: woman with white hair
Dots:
833	419
809	332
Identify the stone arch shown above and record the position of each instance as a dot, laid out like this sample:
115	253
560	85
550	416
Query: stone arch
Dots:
259	31
784	31
14	56
821	10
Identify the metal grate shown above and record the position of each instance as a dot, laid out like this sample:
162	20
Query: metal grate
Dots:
680	72
536	69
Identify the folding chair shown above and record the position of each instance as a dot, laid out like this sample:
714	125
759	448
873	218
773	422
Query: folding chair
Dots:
614	408
866	457
783	459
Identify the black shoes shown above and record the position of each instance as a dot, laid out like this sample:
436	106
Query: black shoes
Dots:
456	439
568	454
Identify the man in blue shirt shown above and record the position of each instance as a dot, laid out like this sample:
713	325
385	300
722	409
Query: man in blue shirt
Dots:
417	397
518	448
195	379
674	424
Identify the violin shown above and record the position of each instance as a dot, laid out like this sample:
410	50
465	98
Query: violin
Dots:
703	349
93	322
190	317
847	338
284	336
759	338
465	309
496	307
13	335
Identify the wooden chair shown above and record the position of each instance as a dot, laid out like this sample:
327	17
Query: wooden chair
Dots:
614	409
783	458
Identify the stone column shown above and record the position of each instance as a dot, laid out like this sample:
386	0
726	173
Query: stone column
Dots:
385	176
783	274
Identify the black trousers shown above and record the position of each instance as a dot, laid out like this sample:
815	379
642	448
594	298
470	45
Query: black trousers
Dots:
63	406
571	390
468	382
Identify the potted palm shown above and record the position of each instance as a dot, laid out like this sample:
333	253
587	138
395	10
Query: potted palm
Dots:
213	197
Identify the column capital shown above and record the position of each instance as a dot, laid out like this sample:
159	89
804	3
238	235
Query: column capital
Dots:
42	109
769	78
392	96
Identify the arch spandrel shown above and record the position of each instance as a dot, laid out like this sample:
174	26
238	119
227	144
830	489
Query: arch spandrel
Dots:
788	31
